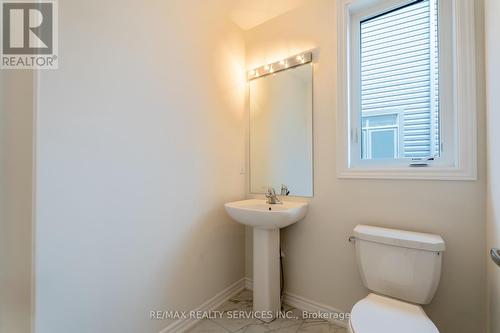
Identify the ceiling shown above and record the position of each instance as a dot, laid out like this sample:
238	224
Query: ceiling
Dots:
250	13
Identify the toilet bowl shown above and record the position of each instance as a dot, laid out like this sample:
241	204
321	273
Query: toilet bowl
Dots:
380	314
403	269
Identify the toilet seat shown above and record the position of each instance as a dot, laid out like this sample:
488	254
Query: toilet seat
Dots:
380	314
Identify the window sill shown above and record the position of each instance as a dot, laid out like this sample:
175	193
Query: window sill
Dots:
424	173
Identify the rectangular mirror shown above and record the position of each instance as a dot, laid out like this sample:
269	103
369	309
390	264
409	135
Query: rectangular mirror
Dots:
281	148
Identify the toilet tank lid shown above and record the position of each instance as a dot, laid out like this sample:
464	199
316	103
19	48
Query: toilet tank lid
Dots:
402	238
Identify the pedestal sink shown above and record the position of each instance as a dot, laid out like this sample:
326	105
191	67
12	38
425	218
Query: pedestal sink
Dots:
266	220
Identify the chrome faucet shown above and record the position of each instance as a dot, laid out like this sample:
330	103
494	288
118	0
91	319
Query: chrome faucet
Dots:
271	196
284	190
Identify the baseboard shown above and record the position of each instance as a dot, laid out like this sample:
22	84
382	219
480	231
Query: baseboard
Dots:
213	303
305	304
308	305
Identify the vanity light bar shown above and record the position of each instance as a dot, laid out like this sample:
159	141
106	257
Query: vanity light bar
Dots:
281	65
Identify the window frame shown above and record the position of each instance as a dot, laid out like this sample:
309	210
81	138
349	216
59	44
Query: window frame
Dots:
457	95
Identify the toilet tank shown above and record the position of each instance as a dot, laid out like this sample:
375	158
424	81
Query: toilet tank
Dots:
397	263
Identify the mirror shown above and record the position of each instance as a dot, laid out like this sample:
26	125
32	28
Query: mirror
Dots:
281	149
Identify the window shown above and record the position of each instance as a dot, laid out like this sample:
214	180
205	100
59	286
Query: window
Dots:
380	136
400	68
403	103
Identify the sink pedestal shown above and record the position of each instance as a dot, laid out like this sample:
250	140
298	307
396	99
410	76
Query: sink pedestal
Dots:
266	220
266	272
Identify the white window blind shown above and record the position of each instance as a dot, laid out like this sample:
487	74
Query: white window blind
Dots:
400	76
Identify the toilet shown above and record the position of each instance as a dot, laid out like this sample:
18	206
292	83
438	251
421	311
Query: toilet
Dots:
402	269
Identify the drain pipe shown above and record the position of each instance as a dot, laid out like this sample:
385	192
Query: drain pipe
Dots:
282	281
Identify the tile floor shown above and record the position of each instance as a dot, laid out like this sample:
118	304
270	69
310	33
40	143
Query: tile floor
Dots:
243	302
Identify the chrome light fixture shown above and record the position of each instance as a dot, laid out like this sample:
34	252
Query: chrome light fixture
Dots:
281	65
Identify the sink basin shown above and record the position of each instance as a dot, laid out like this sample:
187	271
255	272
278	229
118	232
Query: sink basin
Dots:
266	221
259	214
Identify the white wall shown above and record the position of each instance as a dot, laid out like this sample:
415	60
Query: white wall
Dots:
140	142
492	27
320	263
16	165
